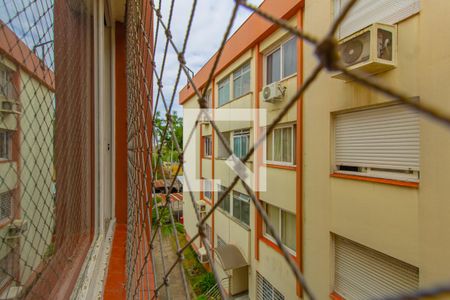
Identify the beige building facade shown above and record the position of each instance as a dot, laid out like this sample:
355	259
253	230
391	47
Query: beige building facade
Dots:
356	181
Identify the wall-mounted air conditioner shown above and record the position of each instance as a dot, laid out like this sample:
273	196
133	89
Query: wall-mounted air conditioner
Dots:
370	51
273	92
9	107
201	205
202	256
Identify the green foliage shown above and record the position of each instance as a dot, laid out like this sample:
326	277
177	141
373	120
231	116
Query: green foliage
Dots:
164	220
51	249
169	151
199	278
206	282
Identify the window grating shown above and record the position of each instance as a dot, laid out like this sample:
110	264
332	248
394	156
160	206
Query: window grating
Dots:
265	290
5	206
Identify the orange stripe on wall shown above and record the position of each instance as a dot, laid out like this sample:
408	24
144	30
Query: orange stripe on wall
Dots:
121	125
299	155
259	75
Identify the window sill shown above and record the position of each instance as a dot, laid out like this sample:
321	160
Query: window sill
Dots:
336	296
274	246
4	161
7	221
377	180
282	80
284	167
206	157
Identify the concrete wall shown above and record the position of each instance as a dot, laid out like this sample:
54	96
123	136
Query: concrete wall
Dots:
36	202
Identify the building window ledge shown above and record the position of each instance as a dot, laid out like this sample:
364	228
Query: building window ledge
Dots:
402	183
275	247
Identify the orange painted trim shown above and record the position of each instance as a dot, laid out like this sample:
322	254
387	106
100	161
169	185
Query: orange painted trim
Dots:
22	56
336	296
252	31
213	138
201	158
299	155
258	157
275	166
377	180
4	161
121	174
273	245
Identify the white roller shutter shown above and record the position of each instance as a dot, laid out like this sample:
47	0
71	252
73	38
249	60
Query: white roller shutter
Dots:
363	273
384	138
366	12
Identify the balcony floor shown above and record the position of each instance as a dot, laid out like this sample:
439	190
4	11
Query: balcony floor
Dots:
116	282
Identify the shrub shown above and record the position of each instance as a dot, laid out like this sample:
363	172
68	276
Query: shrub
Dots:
206	282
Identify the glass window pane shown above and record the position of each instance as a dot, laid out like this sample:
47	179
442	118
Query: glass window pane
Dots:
277	155
274	216
224	92
245	212
289	57
287	144
237	87
245	83
288	230
237	146
236	207
225	204
273	67
244	147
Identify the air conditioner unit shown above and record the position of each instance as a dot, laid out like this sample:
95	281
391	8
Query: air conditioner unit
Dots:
201	205
9	107
202	256
370	51
16	228
273	92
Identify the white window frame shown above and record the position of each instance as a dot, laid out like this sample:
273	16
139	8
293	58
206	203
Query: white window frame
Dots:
241	75
293	140
266	55
221	188
207	190
207	146
242	200
3	196
5	82
240	134
7	143
280	226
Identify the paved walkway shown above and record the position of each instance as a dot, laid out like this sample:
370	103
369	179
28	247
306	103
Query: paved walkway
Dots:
176	287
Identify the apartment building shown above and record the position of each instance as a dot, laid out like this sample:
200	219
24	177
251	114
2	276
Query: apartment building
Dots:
26	84
356	181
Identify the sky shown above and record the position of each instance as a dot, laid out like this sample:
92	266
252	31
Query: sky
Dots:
209	25
32	21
